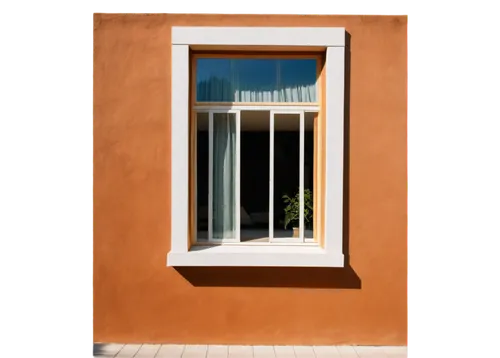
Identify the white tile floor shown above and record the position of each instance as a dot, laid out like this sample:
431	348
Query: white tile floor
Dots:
112	350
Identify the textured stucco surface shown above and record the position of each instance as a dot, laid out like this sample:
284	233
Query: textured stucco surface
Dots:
138	299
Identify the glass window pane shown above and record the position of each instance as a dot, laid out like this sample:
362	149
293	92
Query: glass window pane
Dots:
254	222
202	176
309	129
255	80
286	176
224	176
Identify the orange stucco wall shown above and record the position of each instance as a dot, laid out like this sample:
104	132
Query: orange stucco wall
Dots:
137	298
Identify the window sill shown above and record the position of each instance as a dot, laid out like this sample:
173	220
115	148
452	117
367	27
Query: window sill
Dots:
257	255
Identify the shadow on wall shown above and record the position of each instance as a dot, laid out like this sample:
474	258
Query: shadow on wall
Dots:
98	350
305	277
109	349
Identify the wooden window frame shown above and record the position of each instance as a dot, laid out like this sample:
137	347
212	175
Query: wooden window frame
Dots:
273	107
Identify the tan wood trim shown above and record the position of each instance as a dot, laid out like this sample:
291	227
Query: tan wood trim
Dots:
318	154
319	159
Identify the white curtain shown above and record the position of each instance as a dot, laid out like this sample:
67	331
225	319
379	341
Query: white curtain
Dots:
233	80
224	175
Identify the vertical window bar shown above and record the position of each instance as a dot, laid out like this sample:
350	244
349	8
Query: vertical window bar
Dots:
301	178
195	175
237	181
271	175
210	172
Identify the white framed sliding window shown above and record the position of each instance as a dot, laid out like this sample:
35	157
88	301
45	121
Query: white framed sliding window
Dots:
223	212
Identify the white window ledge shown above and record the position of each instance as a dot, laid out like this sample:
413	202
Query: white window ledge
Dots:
257	255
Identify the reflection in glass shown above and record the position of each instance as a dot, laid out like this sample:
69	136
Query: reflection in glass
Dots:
255	80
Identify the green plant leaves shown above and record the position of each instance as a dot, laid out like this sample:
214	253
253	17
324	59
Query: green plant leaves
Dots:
292	210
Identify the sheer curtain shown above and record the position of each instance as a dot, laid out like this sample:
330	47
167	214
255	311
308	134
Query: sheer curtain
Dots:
224	175
256	80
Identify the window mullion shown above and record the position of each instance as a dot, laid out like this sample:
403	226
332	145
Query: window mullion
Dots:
237	182
301	178
210	173
271	175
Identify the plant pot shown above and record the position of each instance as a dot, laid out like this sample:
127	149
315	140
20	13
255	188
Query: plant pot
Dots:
296	232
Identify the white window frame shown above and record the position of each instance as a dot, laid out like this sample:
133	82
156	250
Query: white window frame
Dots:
330	255
273	111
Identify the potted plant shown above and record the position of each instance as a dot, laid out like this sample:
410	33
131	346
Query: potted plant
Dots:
292	210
